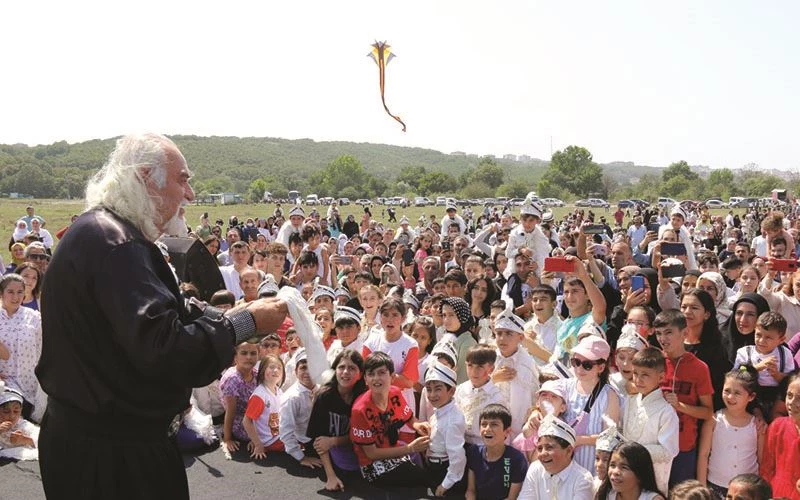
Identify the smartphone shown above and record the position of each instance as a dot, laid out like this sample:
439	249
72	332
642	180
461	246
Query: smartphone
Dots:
385	274
345	260
637	283
784	265
668	248
408	256
445	244
594	229
673	270
558	265
653	228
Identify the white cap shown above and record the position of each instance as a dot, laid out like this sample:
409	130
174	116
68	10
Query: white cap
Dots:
554	426
591	328
509	321
609	439
531	207
322	291
297	210
9	395
630	338
442	373
678	210
404	220
445	348
268	287
558	369
344	312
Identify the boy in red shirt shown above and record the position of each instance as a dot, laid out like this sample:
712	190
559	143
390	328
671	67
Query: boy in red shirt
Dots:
687	387
375	429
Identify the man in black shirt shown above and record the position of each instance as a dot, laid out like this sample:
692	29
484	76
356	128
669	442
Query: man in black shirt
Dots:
121	349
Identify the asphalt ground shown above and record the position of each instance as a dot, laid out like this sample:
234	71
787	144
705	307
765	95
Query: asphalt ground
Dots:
212	476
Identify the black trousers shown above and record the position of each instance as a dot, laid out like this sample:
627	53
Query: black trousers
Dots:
86	457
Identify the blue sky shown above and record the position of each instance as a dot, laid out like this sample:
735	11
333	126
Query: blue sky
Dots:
713	82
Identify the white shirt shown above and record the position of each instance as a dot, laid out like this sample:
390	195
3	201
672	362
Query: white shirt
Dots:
231	278
750	355
572	483
268	423
536	241
521	391
295	410
446	221
398	351
653	423
759	246
472	401
637	234
336	347
447	441
545	333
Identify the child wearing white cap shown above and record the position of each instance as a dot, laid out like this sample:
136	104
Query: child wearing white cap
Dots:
556	474
445	460
19	439
551	399
527	237
629	343
515	372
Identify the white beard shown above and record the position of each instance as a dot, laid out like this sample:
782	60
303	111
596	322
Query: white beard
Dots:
176	226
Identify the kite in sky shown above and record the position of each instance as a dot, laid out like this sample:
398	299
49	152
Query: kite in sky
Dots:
382	55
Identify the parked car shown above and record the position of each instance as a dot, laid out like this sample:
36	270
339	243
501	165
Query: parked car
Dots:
626	204
551	202
344	201
582	203
745	203
517	202
715	203
441	201
666	202
489	202
422	201
641	203
597	202
312	199
364	202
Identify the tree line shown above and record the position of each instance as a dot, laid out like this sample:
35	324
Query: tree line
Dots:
251	166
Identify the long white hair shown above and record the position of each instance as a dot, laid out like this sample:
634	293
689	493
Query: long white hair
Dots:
120	184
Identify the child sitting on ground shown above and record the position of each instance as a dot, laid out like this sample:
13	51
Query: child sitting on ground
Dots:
262	416
19	439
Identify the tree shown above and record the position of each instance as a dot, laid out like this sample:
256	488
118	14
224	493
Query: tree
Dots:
573	170
437	182
476	190
488	172
255	192
344	171
411	175
720	182
513	189
679	169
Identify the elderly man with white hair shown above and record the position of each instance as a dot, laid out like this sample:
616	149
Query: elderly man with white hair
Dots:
121	347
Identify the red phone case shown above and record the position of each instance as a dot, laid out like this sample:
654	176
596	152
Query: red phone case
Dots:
784	265
558	265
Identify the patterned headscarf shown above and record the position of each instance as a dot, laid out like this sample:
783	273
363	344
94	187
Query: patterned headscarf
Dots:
462	310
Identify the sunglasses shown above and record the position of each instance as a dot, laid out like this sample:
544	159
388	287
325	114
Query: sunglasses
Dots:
36	256
586	364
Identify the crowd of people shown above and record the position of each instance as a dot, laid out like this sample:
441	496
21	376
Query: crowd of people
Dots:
487	355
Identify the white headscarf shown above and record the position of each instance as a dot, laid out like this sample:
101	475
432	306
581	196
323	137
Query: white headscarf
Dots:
20	232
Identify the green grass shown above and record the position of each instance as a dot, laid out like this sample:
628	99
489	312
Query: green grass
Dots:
57	213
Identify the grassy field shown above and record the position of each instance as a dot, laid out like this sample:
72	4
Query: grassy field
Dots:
57	213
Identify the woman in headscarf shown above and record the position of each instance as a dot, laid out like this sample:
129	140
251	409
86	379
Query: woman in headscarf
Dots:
739	329
713	283
17	257
20	231
457	319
